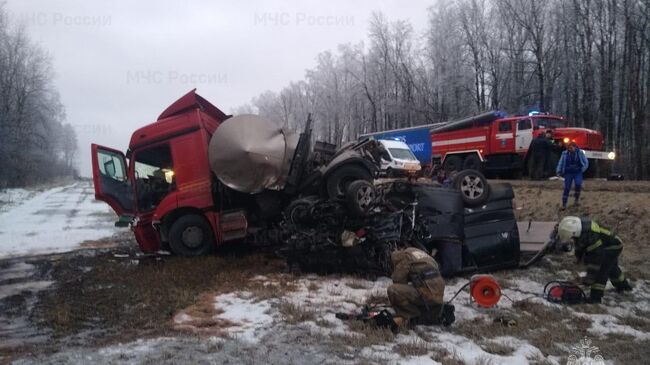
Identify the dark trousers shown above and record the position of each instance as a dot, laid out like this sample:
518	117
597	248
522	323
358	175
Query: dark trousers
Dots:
569	179
450	257
537	167
602	265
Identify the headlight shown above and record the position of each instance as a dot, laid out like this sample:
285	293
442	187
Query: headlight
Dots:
611	155
566	140
169	176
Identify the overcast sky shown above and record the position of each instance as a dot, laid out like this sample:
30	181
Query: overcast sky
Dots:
119	64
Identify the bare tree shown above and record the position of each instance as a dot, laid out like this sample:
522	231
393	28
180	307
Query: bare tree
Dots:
34	144
588	60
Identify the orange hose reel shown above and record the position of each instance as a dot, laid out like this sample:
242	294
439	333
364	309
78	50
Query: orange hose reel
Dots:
485	291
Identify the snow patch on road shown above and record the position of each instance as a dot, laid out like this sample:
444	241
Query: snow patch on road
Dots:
55	220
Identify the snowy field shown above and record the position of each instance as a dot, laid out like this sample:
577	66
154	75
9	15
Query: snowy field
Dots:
55	220
293	322
279	318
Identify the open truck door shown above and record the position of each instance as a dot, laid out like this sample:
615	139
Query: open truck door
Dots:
112	185
524	135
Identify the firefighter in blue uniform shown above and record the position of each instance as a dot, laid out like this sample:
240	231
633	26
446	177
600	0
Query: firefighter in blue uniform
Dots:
599	248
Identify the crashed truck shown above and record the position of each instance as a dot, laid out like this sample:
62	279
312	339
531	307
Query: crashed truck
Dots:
197	178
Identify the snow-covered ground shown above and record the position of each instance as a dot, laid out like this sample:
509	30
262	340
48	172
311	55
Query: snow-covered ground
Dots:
245	321
291	319
54	220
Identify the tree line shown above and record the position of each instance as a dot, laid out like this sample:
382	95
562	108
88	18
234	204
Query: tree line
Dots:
588	60
35	144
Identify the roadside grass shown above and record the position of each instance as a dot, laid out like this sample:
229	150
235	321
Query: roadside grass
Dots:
294	313
624	349
356	284
280	286
413	347
496	348
442	355
361	335
542	325
127	298
641	323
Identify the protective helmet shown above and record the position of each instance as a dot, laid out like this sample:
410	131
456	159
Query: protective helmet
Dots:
570	227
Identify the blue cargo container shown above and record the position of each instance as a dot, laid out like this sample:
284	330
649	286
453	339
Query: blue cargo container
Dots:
417	138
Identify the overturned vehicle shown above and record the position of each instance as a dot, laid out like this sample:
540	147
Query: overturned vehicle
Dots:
327	236
198	178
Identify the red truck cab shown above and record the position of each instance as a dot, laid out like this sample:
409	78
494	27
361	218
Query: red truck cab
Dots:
162	187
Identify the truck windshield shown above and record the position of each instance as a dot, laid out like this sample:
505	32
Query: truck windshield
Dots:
154	176
549	123
402	154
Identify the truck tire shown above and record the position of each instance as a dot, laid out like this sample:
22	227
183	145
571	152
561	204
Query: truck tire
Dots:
473	162
360	197
297	211
339	180
191	235
473	187
453	163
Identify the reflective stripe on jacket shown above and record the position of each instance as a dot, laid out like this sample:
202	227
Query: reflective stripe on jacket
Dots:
594	237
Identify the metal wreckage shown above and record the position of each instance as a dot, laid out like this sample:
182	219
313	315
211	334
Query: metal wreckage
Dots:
197	178
338	215
321	235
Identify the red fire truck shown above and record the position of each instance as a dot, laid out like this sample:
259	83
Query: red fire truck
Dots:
494	142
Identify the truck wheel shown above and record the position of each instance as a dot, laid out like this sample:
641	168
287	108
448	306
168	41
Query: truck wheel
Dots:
191	235
473	162
361	197
297	211
339	180
473	187
453	163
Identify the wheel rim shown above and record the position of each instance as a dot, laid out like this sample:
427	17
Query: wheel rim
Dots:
192	236
365	197
472	186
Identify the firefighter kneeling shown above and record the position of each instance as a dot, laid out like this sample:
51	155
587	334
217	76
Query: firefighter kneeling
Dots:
418	289
599	248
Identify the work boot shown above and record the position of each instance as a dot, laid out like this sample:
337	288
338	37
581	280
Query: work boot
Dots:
595	298
623	287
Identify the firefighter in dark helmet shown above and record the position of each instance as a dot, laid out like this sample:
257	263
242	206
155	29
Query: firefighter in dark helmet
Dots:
418	289
599	248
